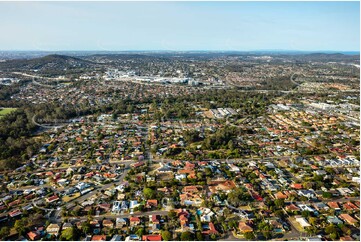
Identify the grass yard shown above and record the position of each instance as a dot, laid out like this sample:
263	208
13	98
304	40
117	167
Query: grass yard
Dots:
296	224
5	111
165	176
69	198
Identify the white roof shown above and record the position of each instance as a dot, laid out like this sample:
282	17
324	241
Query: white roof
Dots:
303	222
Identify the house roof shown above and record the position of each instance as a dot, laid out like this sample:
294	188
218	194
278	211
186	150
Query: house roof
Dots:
190	189
243	227
152	237
347	218
152	202
32	235
333	205
52	198
53	226
280	195
346	238
297	186
99	238
134	219
108	222
292	207
212	229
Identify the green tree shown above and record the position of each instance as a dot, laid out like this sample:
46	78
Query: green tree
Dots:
249	236
166	235
140	232
334	236
4	232
85	227
327	195
148	193
313	221
20	226
172	214
213	236
230	145
186	236
279	203
267	234
69	234
199	236
330	229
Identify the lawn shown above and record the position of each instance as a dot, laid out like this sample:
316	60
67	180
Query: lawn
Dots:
5	111
296	224
69	198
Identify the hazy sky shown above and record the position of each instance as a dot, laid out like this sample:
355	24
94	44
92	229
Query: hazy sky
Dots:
180	26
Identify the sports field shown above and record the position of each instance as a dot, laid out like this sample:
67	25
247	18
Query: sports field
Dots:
5	111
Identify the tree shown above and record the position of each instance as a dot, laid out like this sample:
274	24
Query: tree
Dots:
279	213
313	221
249	236
166	235
305	213
186	236
213	236
267	234
327	195
172	214
19	226
4	232
199	236
330	229
140	232
69	234
208	171
85	227
148	193
345	230
279	202
334	236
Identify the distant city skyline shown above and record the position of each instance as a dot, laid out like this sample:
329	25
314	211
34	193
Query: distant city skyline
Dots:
180	26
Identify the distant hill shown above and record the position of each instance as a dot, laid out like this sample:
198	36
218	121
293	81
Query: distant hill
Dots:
334	57
47	63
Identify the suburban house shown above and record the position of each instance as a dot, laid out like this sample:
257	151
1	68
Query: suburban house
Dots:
152	237
133	221
347	218
151	203
211	230
53	229
334	220
121	222
52	199
99	238
108	224
302	221
244	227
33	235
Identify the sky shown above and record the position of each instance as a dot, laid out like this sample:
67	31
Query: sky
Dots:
180	26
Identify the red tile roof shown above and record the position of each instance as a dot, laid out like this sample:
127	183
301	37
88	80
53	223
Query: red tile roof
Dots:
33	236
152	237
297	186
99	238
134	219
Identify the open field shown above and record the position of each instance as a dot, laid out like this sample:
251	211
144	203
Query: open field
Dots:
5	111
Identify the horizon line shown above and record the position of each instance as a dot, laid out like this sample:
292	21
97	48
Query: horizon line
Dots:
200	50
